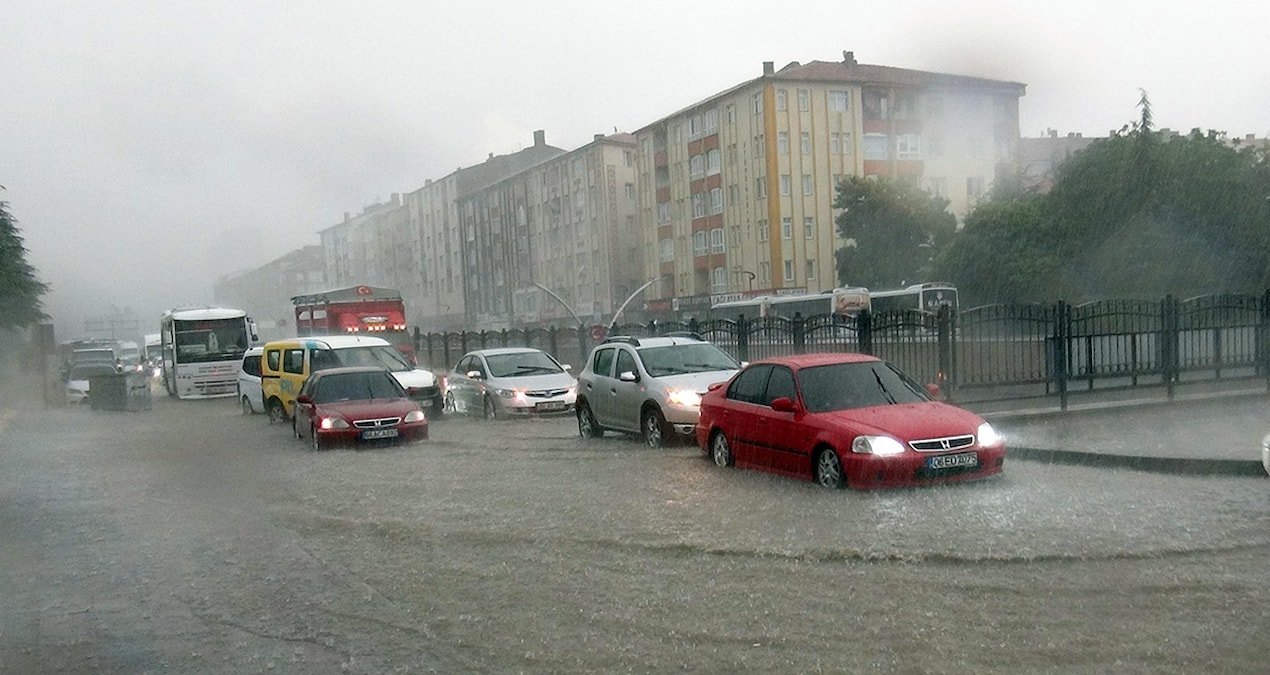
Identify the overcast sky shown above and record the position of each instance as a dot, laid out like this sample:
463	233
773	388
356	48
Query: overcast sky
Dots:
147	148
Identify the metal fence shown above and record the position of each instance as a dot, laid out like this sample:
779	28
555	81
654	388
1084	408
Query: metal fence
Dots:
994	351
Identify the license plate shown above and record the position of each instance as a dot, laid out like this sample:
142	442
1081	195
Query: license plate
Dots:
379	433
550	405
952	461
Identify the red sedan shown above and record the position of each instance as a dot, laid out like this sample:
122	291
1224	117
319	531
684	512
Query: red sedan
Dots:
843	420
356	405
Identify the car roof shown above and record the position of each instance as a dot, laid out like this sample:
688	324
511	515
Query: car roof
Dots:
495	351
254	351
335	341
818	359
645	342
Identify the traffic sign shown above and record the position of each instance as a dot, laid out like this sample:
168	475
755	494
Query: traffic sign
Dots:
598	333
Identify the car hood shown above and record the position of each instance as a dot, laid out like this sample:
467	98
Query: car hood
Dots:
906	421
697	382
368	409
416	379
534	382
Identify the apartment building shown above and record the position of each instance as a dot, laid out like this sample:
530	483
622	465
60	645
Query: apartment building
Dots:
735	192
567	225
265	292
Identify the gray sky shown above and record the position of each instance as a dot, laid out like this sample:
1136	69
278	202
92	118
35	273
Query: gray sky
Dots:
136	138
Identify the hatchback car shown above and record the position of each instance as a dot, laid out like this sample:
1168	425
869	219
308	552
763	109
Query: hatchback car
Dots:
843	420
515	381
650	386
356	406
249	394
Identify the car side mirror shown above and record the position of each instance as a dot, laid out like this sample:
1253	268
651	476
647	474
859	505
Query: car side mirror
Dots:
305	399
784	404
745	363
566	367
474	374
715	385
628	376
934	391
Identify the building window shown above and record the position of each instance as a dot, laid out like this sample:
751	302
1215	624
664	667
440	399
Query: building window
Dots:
839	101
974	187
875	105
785	183
719	282
847	146
699	205
760	146
805	142
789	270
694	126
716	240
787	228
764	272
811	270
804	100
782	142
809	227
713	160
697	166
762	231
667	249
760	187
663	212
731	114
716	200
736	235
699	245
875	146
756	103
908	146
807	186
712	120
630	190
780	99
835	143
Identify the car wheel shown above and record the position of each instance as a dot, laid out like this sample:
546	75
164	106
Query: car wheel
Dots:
491	412
295	430
246	406
587	426
317	442
829	469
720	450
654	427
448	403
277	414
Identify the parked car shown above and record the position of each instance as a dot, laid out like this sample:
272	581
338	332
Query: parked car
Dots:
78	376
286	364
356	406
249	394
844	420
514	381
650	386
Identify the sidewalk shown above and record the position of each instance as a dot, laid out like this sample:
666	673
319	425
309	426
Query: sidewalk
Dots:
1206	430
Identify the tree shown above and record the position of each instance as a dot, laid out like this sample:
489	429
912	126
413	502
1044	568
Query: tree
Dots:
20	290
893	229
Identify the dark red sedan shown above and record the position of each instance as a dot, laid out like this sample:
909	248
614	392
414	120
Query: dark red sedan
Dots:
843	420
354	406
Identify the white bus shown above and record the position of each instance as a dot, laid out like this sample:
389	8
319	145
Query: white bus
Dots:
203	349
843	301
928	297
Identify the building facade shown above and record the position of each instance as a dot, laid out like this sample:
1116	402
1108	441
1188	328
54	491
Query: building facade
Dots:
735	192
265	292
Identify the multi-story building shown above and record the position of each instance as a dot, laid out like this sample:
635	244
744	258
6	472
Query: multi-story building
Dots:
265	292
567	225
736	191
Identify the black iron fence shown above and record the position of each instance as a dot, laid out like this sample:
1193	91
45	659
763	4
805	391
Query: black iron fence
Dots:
994	351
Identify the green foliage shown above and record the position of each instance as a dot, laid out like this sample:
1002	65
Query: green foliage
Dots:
896	228
20	290
1137	215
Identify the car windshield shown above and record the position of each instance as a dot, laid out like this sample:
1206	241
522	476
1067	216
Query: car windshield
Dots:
375	357
693	357
843	386
85	371
519	364
356	387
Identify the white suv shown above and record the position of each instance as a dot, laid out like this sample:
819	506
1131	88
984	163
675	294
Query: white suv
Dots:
650	386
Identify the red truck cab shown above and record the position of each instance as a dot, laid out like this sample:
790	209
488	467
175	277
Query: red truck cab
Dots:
357	310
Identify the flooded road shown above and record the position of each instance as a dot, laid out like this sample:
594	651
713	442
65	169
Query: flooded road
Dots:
191	538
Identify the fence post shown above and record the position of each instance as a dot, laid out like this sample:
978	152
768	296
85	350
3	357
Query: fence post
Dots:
943	325
553	343
445	349
693	326
1263	338
652	327
504	337
583	350
742	339
1169	343
415	341
864	331
463	341
1062	329
800	337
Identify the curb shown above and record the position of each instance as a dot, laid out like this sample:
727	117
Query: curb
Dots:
1096	407
1167	465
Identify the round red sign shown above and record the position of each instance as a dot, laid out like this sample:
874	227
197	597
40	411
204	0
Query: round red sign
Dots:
598	332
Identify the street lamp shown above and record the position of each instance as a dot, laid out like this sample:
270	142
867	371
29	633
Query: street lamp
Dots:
630	297
560	300
749	274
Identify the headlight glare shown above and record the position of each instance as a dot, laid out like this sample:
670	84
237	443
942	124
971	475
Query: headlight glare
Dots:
876	445
685	398
414	416
334	423
987	435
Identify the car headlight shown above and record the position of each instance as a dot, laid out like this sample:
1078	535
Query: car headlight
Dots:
334	423
876	445
414	416
685	398
987	435
505	393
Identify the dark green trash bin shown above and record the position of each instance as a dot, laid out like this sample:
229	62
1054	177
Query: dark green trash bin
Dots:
119	391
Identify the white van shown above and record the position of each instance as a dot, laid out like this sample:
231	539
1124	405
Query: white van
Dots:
249	382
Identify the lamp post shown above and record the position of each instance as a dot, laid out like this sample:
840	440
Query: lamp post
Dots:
749	274
630	297
560	300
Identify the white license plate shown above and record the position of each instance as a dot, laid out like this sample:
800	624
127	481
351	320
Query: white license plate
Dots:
550	405
379	433
953	461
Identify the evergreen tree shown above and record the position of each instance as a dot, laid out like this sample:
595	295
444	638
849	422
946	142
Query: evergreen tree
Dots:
20	290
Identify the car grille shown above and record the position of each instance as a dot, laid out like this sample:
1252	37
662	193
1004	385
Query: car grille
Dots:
942	444
381	422
547	393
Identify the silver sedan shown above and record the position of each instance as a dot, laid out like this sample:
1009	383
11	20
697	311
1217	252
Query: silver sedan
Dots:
511	381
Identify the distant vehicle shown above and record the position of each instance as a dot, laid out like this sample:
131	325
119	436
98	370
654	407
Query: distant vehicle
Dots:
77	379
847	301
154	354
357	310
203	350
128	353
650	386
356	406
510	381
928	297
249	395
104	355
286	364
842	420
